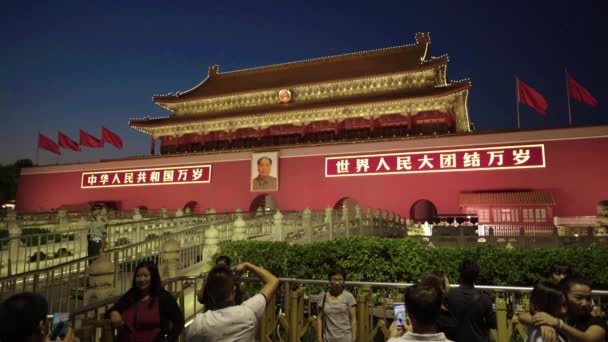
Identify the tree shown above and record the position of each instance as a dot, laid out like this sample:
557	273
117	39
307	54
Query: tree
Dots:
9	178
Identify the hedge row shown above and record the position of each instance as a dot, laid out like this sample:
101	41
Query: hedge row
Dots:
405	260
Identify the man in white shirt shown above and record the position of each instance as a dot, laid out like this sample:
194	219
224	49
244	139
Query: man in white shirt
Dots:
224	320
423	305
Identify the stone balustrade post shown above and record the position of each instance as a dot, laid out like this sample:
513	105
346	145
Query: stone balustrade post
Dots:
259	212
370	220
14	233
62	214
169	259
212	213
490	240
277	226
358	213
602	214
240	229
238	212
101	280
345	219
139	232
378	224
307	224
11	221
179	212
82	237
344	212
164	213
83	242
211	246
461	241
359	218
188	211
329	221
136	214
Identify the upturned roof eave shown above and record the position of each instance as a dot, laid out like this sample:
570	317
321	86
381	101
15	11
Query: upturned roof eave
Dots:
452	88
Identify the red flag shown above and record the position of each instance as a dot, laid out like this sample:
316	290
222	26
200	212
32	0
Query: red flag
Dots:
47	143
578	92
111	137
65	142
88	140
532	98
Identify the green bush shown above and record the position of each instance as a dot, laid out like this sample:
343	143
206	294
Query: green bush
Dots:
405	260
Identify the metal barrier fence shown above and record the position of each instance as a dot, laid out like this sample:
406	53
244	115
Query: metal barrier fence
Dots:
291	314
29	252
21	254
187	245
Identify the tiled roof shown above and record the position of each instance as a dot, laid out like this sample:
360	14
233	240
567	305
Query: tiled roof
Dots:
295	106
348	66
506	198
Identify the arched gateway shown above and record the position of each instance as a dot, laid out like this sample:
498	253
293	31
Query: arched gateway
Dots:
423	210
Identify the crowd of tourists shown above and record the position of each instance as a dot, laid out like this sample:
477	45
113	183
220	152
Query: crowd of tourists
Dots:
560	310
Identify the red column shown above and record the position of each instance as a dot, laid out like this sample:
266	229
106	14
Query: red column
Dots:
410	122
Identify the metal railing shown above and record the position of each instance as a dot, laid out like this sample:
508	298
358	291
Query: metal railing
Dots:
25	253
291	314
28	252
124	259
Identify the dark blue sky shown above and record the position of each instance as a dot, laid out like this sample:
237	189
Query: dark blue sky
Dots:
83	64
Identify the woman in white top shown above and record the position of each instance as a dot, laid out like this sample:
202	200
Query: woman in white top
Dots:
337	320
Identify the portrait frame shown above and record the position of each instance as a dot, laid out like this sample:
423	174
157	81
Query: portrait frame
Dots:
260	182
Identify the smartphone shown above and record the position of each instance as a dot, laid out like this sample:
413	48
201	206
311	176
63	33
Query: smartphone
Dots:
399	311
59	327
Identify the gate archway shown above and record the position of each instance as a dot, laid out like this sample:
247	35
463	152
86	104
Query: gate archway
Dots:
264	201
423	210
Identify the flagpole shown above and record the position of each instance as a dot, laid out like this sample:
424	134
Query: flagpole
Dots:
101	149
517	99
37	148
568	96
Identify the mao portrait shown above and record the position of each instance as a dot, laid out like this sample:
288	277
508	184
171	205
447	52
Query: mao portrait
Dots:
265	171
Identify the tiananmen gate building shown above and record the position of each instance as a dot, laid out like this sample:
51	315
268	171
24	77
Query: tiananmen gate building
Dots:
382	128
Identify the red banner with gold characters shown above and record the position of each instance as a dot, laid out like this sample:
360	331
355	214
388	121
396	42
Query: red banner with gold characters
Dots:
151	176
456	160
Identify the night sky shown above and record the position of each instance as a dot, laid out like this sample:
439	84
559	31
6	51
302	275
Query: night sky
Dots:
84	64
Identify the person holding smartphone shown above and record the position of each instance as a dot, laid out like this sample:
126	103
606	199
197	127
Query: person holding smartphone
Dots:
23	318
423	306
337	319
225	320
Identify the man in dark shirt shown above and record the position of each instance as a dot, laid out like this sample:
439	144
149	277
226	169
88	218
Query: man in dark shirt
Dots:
472	308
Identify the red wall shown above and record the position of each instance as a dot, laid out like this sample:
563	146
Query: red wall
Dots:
575	174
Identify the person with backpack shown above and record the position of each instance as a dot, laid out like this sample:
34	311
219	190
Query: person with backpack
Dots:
471	308
337	319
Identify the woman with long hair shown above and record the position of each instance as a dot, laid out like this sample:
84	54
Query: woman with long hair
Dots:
337	320
446	323
579	324
147	312
546	297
